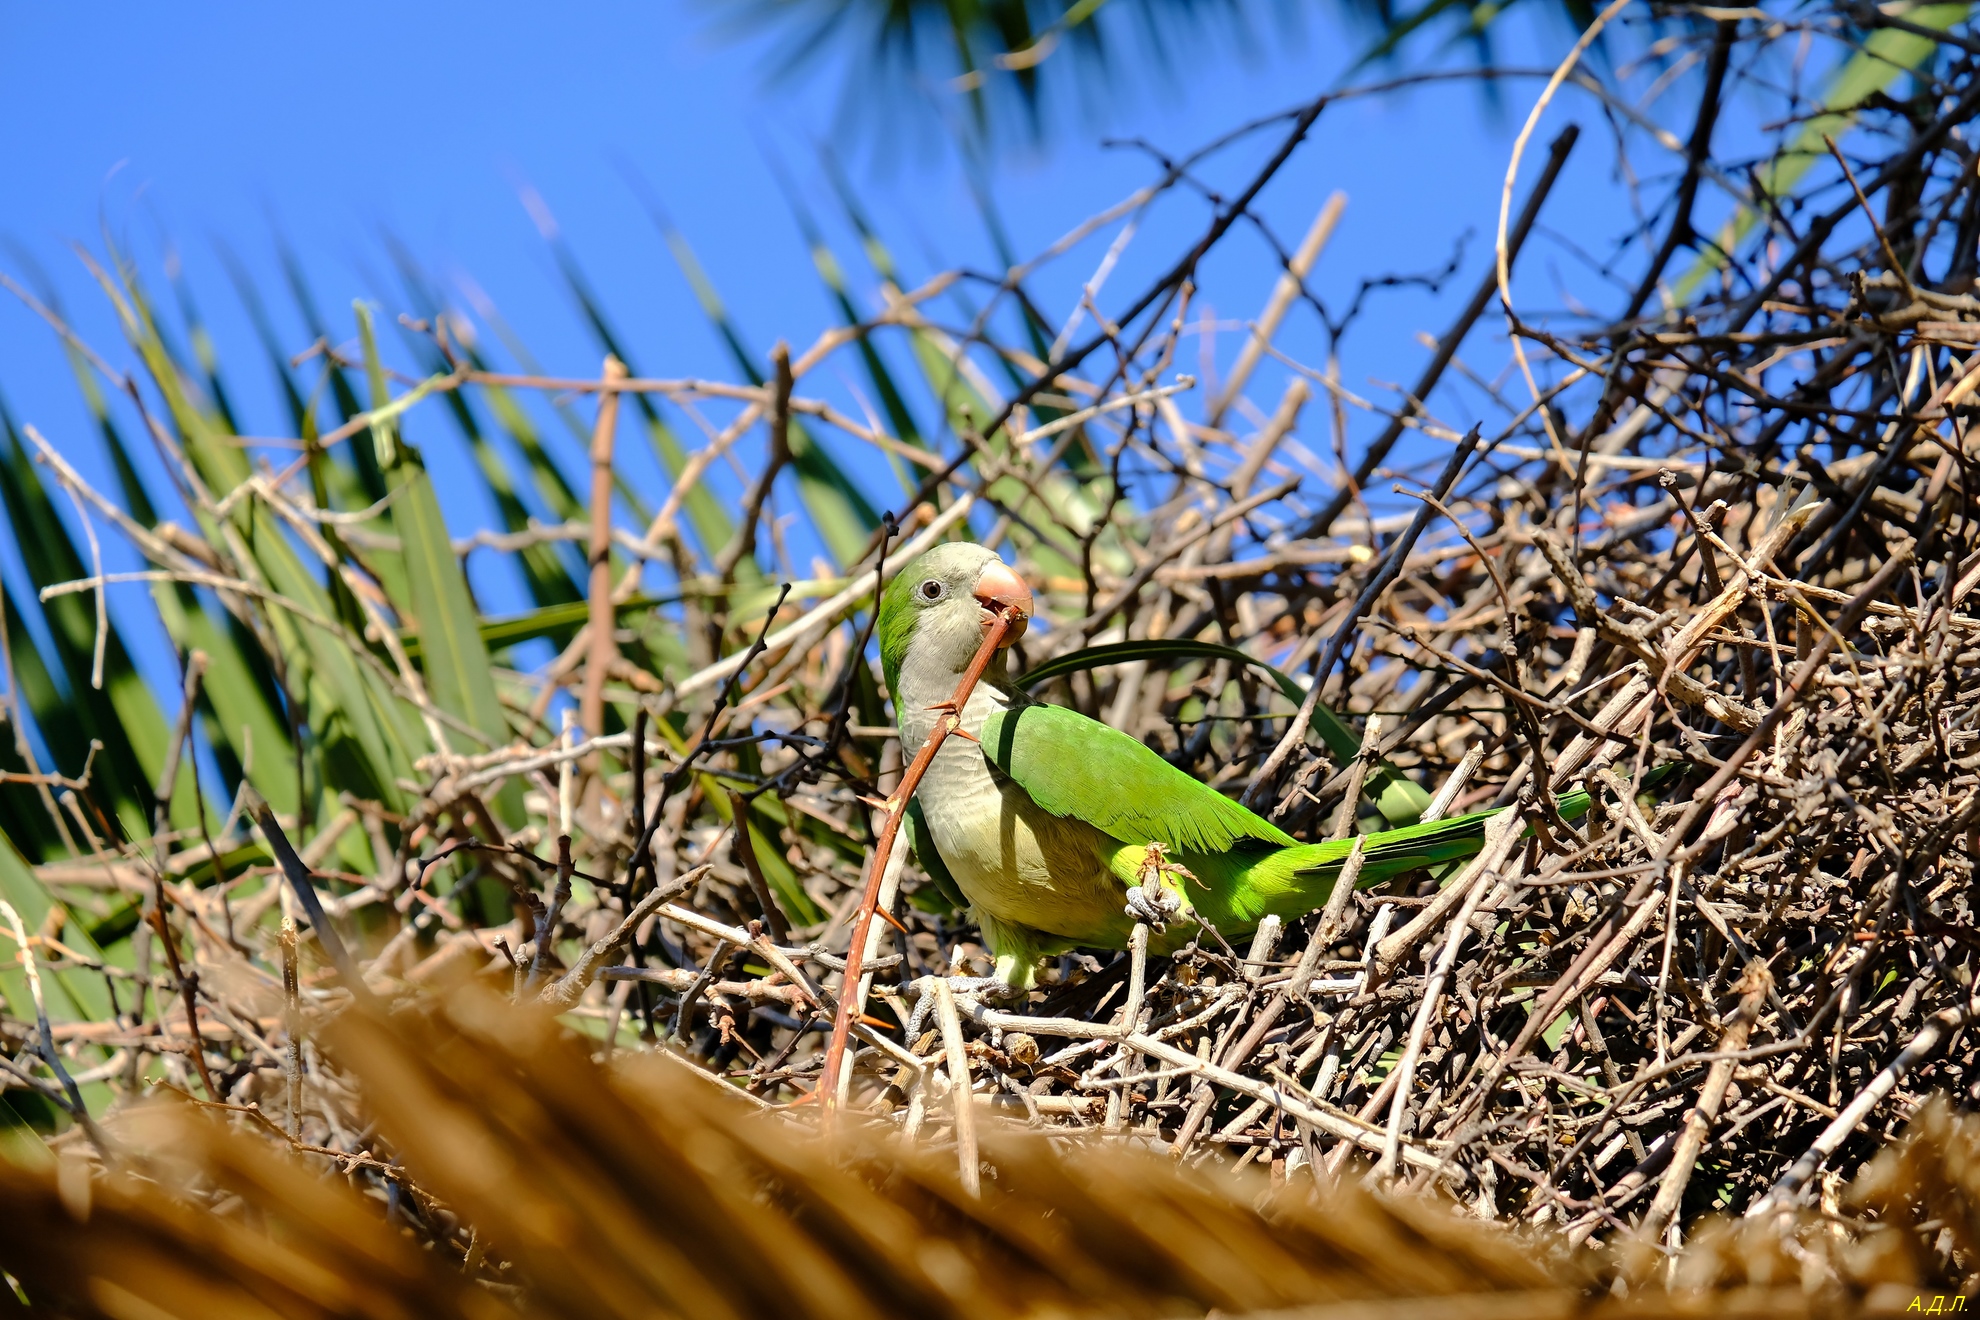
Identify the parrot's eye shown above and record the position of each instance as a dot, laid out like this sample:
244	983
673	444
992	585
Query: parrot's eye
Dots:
933	589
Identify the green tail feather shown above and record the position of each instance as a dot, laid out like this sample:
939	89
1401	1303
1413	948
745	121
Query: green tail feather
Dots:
1392	852
1292	881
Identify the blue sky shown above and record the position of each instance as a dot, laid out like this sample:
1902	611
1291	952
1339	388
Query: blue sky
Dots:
189	127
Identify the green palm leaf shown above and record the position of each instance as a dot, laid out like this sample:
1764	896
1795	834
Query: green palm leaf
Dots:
552	572
349	706
71	996
551	621
239	697
123	715
458	673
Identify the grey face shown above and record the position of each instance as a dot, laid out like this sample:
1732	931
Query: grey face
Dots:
948	618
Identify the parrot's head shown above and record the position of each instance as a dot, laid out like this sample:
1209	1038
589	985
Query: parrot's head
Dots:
937	609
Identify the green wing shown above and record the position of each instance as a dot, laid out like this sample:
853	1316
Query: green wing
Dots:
1082	770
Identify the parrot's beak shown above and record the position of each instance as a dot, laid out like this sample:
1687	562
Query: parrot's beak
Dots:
999	589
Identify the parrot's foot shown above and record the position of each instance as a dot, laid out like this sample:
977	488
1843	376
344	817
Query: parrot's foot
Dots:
962	987
1153	904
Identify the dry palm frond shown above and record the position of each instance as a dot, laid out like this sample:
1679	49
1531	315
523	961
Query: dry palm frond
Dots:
524	1174
643	1188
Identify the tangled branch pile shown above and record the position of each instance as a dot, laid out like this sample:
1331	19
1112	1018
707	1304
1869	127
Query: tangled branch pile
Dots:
1735	534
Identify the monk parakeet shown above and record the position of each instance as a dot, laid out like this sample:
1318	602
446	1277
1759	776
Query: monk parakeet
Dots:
1057	831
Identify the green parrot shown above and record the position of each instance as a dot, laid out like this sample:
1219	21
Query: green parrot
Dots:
1057	831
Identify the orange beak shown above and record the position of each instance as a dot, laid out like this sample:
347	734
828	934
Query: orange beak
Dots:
998	588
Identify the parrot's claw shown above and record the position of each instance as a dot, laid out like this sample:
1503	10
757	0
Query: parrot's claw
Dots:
962	987
1154	905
